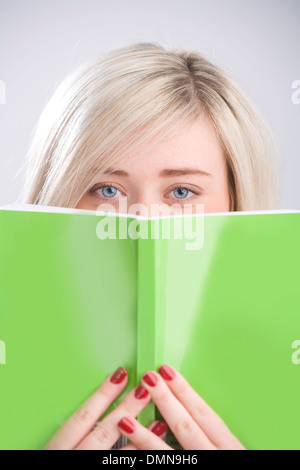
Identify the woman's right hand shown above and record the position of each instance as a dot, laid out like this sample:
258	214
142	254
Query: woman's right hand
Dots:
82	431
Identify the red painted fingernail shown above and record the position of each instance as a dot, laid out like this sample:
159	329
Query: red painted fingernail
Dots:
126	425
118	376
166	372
160	428
141	392
150	379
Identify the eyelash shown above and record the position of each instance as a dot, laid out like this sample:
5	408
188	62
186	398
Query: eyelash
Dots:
105	185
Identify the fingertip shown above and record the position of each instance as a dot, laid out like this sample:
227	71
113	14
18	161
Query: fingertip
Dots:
127	425
150	378
119	376
141	393
160	428
167	372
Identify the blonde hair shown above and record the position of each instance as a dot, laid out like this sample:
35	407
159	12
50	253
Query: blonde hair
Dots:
136	97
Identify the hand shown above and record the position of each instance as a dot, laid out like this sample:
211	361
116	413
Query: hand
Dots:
82	432
192	421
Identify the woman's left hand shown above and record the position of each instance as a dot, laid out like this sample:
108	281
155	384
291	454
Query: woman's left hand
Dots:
194	424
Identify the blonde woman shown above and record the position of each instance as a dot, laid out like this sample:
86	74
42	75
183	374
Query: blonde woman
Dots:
137	127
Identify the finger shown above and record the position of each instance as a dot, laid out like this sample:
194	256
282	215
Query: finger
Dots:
213	426
107	432
184	428
141	437
160	431
83	419
129	447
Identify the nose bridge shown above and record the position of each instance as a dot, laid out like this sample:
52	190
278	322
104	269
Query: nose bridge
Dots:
141	202
152	208
147	202
140	206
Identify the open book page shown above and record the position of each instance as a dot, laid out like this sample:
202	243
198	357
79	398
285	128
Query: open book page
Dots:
220	303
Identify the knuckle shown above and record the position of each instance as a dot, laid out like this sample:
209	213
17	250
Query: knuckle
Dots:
200	412
125	408
185	426
162	396
181	389
83	416
104	393
102	434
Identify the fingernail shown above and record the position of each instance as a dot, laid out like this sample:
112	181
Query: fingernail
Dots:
160	428
118	376
141	392
126	425
150	379
166	372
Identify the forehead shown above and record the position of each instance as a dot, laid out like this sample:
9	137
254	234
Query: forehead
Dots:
195	145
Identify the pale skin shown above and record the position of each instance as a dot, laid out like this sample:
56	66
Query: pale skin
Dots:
196	148
200	178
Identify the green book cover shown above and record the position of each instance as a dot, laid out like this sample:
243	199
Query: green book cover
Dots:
83	293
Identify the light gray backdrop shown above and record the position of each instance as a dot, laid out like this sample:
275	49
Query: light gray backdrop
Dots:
256	41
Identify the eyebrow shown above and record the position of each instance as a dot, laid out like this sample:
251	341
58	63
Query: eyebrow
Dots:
163	173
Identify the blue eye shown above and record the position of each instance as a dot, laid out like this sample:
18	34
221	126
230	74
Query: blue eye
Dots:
182	192
109	190
106	191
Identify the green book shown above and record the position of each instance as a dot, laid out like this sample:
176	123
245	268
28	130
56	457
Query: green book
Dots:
217	296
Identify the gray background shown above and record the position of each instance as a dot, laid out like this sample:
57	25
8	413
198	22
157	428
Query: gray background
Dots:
257	42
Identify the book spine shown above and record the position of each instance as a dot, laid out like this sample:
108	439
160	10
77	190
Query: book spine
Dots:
146	316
